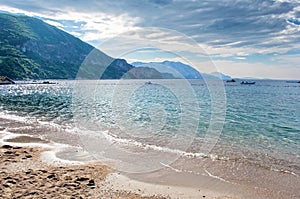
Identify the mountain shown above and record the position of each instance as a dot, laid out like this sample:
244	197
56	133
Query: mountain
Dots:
31	48
172	69
143	73
185	70
221	76
178	70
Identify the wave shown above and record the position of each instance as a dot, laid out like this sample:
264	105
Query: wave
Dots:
56	148
114	139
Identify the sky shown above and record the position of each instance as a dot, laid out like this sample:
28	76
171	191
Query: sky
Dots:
241	38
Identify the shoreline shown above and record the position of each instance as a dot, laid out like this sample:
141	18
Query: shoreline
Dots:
25	175
25	164
165	183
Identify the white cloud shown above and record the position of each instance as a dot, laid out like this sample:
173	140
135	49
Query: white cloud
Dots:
287	60
54	23
96	26
258	70
102	26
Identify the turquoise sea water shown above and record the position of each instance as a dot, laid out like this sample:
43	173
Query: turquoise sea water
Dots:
261	122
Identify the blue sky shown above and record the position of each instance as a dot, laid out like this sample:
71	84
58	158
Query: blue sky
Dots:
257	38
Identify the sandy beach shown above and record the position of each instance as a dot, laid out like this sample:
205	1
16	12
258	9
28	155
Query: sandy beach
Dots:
24	175
30	168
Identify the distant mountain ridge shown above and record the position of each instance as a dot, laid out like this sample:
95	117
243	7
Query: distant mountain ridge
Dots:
221	76
172	69
180	70
31	48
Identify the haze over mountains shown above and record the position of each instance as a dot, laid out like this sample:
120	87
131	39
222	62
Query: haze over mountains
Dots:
178	70
33	49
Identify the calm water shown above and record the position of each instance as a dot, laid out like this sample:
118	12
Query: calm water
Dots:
261	121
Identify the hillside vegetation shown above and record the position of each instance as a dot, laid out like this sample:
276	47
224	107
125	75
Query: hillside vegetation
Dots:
31	48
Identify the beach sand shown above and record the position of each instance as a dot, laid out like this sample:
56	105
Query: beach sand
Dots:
24	175
29	168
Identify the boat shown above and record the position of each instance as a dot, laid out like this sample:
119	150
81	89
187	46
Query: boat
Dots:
148	83
246	82
232	80
6	81
292	81
47	82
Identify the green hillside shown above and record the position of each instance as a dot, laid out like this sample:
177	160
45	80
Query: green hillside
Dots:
31	48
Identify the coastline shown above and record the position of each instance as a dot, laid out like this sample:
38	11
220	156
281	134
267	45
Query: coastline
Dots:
46	158
27	161
25	174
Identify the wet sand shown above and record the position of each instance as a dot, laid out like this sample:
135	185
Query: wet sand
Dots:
26	139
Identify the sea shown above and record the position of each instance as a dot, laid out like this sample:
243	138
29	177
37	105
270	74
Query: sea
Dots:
243	134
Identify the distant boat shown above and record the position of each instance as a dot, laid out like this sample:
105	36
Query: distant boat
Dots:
246	82
232	80
148	82
292	81
6	81
47	82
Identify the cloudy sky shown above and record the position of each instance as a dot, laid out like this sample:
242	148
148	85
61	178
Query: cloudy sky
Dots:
244	38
